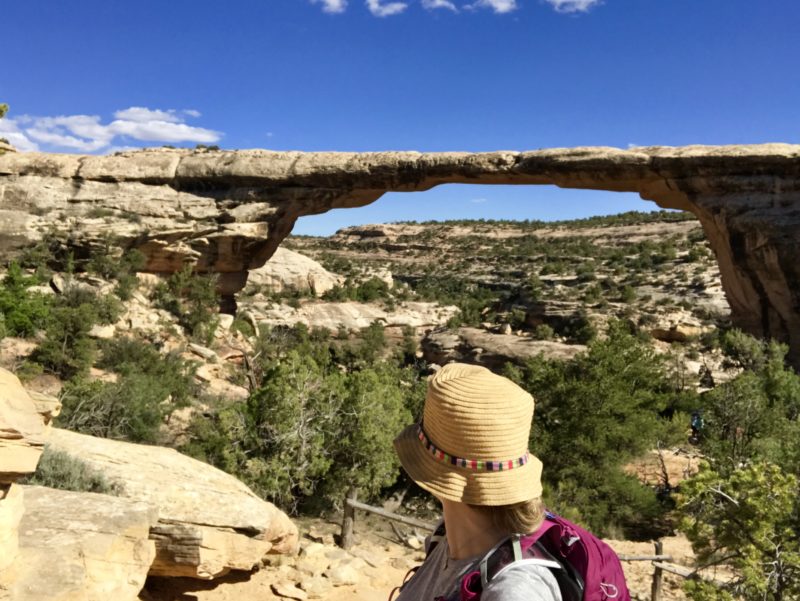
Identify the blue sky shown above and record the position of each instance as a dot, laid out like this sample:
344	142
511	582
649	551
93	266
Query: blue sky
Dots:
428	75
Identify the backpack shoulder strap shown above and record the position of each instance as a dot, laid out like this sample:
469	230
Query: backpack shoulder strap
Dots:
435	538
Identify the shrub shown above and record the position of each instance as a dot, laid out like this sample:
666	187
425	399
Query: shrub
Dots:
129	357
244	327
310	431
742	508
628	294
366	292
133	408
756	416
593	415
193	299
57	469
749	520
22	312
67	350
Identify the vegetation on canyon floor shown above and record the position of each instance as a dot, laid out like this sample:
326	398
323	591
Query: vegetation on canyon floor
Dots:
323	407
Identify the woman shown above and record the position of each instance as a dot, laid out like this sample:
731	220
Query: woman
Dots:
471	452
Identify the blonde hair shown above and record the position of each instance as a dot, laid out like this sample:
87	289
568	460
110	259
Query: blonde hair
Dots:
519	518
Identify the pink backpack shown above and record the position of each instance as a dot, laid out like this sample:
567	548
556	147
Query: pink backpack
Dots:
585	567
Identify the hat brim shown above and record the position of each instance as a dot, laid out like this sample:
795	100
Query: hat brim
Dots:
447	481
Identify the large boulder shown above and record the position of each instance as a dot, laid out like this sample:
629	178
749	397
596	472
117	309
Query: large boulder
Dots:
473	345
354	316
287	269
22	431
24	424
11	510
81	547
208	522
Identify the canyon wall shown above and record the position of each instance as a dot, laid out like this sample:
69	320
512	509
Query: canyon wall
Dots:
227	211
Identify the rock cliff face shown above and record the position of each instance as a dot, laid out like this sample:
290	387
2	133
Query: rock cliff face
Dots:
227	212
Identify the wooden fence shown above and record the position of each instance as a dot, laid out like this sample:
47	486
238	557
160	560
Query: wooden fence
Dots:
658	558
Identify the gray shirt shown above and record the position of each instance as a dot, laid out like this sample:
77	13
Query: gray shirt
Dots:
441	576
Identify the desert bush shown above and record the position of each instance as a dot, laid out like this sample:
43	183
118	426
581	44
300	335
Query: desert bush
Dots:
309	431
742	508
193	299
67	350
149	387
579	329
133	408
471	298
129	357
366	349
593	415
756	416
22	312
628	294
748	520
60	470
243	326
111	262
368	291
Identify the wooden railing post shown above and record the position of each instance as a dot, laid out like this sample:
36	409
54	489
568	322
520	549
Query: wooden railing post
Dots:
346	539
655	594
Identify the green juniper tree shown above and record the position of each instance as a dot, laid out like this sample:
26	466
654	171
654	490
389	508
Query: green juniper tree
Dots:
748	520
743	508
594	414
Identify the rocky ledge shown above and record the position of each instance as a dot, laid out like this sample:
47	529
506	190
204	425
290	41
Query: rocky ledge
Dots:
208	522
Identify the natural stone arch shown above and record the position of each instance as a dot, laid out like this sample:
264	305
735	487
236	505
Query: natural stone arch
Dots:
228	211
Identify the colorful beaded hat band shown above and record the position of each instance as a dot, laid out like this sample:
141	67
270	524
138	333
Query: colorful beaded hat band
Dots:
472	464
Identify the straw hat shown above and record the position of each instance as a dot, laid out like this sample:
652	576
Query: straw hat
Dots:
472	444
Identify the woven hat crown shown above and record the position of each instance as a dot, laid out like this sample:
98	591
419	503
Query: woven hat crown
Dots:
472	413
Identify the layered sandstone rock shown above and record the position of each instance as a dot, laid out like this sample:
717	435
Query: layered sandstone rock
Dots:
352	316
11	510
287	269
81	547
473	345
227	212
24	424
22	431
208	522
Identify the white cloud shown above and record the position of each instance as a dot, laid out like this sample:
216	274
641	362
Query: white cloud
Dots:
377	8
572	6
142	114
86	133
9	130
332	6
434	4
384	8
498	6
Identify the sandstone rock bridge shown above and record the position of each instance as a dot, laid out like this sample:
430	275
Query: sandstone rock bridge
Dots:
227	211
